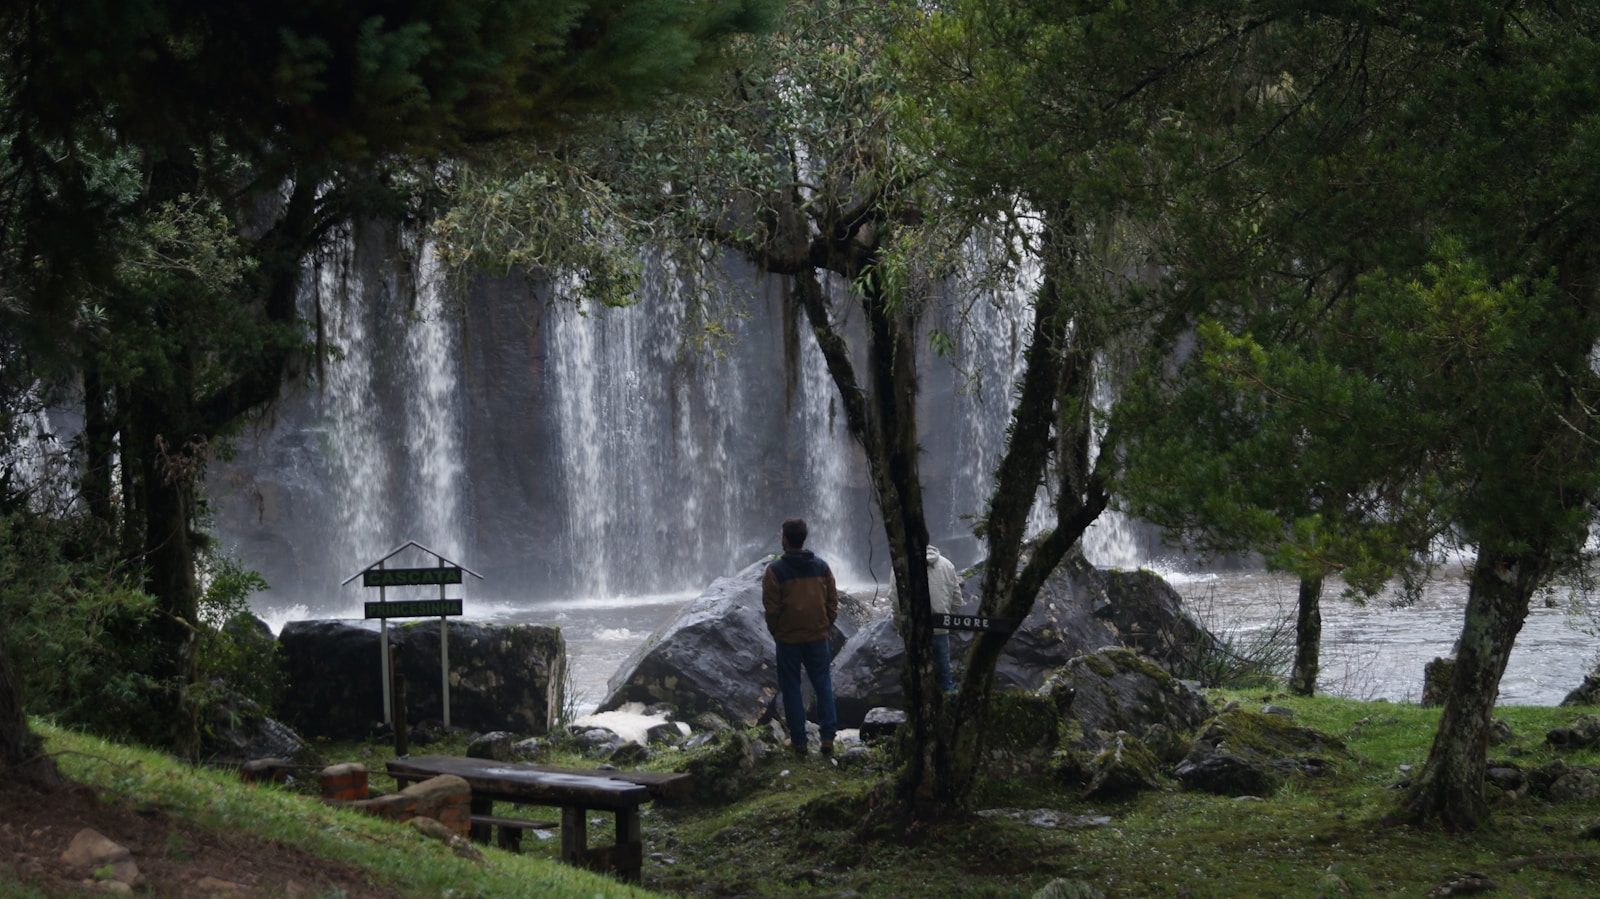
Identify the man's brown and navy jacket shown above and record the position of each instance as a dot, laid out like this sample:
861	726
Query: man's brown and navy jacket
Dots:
800	597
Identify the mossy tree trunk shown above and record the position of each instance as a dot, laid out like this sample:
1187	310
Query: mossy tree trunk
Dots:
22	754
1449	788
1307	638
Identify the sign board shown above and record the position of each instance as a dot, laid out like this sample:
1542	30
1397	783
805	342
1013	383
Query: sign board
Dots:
973	623
410	577
413	608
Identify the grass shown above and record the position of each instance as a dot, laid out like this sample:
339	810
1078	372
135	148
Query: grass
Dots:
396	857
799	833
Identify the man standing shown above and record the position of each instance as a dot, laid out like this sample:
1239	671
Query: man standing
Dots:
801	603
944	597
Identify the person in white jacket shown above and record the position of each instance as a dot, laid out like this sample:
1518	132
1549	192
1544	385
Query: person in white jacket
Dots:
944	596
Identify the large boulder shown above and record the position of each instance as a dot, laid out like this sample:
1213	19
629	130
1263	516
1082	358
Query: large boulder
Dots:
1240	752
866	674
1586	693
1081	609
1113	691
502	677
715	655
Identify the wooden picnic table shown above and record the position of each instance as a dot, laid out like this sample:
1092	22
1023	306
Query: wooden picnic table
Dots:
574	791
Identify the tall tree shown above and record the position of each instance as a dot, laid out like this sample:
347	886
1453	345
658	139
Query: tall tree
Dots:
147	147
797	165
1391	209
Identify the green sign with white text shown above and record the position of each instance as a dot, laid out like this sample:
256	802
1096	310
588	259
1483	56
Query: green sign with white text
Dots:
413	608
409	577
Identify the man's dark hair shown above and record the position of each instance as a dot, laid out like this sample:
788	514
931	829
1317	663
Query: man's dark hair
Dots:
794	532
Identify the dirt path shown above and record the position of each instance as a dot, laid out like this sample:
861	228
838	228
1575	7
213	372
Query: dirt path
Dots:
177	858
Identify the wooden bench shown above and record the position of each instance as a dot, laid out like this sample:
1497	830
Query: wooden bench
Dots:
574	791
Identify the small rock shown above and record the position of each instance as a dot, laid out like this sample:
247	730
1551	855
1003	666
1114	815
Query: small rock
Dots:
1469	884
92	849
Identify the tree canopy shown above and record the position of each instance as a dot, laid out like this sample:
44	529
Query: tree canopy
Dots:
167	167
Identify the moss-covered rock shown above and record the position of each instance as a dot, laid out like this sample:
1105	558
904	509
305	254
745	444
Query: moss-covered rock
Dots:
1117	690
1126	766
1243	752
1024	732
724	769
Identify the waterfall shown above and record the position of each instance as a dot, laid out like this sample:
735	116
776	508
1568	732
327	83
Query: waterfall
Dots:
667	449
575	453
368	453
349	417
647	434
433	414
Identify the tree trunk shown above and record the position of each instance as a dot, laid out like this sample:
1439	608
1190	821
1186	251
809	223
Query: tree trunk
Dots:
1449	789
94	484
1307	638
21	751
169	470
1053	402
883	420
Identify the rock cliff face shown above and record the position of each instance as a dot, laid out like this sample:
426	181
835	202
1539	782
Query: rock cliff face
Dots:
502	677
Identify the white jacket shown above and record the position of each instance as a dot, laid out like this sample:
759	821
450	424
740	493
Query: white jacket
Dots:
944	585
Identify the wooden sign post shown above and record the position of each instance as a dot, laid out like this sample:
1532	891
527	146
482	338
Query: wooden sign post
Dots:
443	574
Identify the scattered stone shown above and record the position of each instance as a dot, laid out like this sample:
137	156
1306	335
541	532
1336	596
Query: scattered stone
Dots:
495	746
727	769
629	755
1436	680
1060	888
1243	752
1024	733
881	723
1576	785
92	851
856	757
1047	818
1506	776
711	722
1500	732
1270	709
240	730
211	884
1587	693
1469	884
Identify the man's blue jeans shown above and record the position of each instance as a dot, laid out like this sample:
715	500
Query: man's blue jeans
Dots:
941	662
815	657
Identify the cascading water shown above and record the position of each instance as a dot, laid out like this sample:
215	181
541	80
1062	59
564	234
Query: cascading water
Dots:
366	456
667	455
433	414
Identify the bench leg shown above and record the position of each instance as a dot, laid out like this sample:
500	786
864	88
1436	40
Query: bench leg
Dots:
630	845
480	832
510	839
575	836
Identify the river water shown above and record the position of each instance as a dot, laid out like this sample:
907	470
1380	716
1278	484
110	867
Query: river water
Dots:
1372	650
